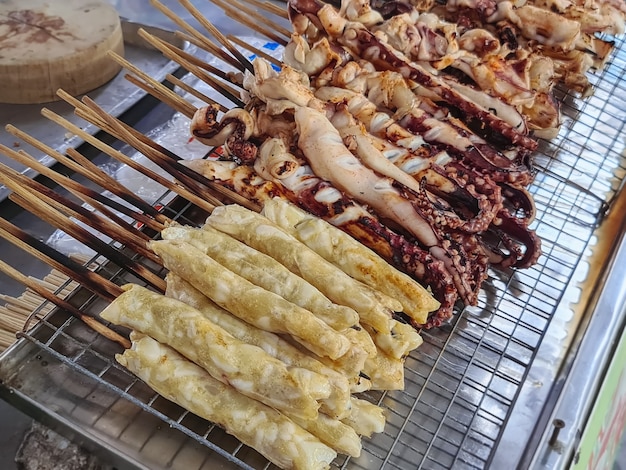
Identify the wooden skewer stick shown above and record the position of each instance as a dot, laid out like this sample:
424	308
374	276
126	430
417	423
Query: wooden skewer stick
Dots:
54	217
160	153
65	305
89	170
238	6
83	111
211	48
255	50
87	195
92	281
124	233
197	14
192	91
225	90
169	162
159	90
86	113
207	202
165	159
117	154
199	38
158	95
172	52
95	199
269	7
253	20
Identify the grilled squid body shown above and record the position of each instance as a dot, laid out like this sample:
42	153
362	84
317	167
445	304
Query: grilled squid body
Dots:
330	159
245	367
268	431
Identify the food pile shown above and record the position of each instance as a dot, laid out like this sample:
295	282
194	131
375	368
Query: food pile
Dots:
392	155
269	325
410	131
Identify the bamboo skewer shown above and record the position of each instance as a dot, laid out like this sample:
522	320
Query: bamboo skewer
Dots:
243	10
54	217
207	203
192	91
87	195
87	169
211	48
253	20
84	111
124	234
196	67
269	7
156	93
169	162
63	304
255	50
154	87
199	38
216	33
92	281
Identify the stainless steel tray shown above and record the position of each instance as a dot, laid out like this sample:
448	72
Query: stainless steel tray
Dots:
480	392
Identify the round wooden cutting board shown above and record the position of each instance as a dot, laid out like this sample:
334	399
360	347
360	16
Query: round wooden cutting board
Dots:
47	45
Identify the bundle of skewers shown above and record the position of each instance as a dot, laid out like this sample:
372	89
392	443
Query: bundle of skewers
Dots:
362	188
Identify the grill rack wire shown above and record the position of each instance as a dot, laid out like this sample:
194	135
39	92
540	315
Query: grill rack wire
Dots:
461	384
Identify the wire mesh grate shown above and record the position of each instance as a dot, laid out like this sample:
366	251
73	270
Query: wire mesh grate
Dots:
461	384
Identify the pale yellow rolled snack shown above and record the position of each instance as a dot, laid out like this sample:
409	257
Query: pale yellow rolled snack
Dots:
334	433
245	367
385	372
400	342
352	257
336	405
250	303
365	417
259	426
264	271
259	232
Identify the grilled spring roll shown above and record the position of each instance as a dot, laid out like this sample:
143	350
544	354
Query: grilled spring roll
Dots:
385	372
264	271
401	341
352	257
268	431
335	434
337	405
247	368
365	417
259	232
251	303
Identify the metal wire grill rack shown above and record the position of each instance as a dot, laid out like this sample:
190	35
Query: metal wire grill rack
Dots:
462	384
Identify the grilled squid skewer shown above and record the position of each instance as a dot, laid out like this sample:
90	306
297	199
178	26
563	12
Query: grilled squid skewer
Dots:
331	160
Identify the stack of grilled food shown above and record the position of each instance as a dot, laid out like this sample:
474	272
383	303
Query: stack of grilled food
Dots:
390	156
